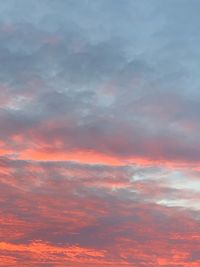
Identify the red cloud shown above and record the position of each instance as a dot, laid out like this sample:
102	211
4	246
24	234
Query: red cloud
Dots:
68	214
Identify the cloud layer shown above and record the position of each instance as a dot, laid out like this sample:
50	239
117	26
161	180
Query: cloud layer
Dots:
99	143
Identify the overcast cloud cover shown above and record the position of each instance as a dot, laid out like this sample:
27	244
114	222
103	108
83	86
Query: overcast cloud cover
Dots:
99	133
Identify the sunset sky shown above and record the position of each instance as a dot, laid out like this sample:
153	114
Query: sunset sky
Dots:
99	133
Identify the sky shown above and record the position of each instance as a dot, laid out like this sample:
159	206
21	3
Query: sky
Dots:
99	133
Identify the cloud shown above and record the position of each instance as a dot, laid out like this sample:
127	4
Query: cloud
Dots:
92	214
99	144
